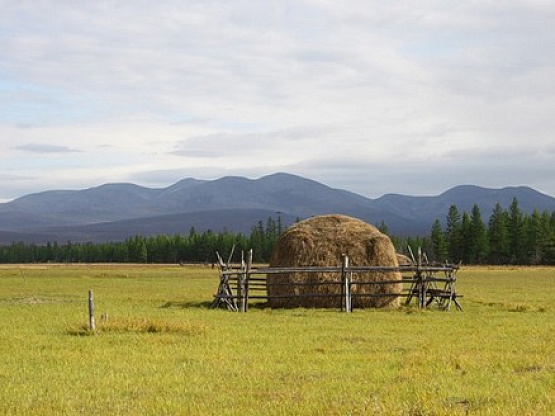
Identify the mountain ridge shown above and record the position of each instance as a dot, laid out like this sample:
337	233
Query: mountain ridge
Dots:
234	203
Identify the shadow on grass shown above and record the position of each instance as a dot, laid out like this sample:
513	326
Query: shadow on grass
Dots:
261	305
208	305
186	305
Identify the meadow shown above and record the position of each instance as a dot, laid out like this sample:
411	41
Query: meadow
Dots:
161	350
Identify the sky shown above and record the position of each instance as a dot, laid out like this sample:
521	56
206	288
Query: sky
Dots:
374	97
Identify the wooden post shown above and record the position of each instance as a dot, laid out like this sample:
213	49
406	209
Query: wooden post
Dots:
423	282
342	298
346	280
240	285
92	324
349	286
245	298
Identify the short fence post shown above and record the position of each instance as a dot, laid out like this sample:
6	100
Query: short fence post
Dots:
346	281
92	324
246	276
240	284
240	290
422	279
343	298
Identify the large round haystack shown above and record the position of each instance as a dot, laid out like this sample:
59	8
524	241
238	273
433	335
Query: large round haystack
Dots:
321	241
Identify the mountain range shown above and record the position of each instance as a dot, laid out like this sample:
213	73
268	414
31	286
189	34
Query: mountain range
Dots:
113	212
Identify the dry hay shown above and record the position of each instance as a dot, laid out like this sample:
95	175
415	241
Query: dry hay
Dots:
321	241
404	260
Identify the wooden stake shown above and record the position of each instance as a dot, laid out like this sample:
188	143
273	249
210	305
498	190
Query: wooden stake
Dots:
423	282
92	324
245	297
346	277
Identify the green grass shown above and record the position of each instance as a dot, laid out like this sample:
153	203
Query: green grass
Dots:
162	351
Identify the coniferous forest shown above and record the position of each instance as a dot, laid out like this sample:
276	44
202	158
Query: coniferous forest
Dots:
507	237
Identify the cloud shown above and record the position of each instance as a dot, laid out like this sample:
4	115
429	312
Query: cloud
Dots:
428	173
45	148
370	96
6	177
278	145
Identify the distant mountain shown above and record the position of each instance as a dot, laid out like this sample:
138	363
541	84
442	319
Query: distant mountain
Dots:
288	194
114	212
425	210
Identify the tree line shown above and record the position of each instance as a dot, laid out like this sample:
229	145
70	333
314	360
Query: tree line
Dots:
509	237
195	247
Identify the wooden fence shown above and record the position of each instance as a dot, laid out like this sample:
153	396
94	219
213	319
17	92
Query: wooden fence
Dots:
427	284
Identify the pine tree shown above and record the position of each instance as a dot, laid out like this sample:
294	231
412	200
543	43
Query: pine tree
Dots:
439	245
498	236
383	228
143	252
257	241
453	234
534	237
465	238
478	242
517	253
547	242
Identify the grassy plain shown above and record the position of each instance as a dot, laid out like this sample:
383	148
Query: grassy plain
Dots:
162	351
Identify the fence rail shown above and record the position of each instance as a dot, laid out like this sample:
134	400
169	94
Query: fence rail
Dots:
423	284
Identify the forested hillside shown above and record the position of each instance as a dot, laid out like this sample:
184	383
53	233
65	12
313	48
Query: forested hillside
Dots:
507	237
192	248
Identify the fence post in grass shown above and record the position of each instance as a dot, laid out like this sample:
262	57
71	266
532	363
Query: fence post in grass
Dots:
245	298
349	281
92	324
346	281
240	283
422	279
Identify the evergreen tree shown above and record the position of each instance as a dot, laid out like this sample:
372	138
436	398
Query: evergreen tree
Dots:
453	234
517	253
478	242
257	241
534	238
143	252
465	238
438	243
546	238
383	228
498	236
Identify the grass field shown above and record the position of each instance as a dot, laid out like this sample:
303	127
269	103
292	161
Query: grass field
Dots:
162	351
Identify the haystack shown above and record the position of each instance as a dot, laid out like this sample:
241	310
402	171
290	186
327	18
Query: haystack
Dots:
404	260
321	241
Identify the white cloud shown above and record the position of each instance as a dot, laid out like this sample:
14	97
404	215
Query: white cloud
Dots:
368	96
45	148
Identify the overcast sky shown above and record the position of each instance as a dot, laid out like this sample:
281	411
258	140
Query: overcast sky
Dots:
370	96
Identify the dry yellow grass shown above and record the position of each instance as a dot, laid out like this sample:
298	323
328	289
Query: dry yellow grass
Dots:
495	358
